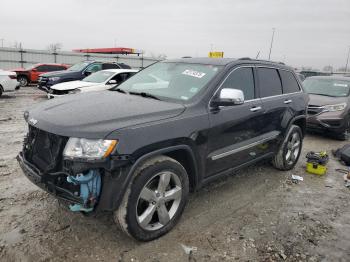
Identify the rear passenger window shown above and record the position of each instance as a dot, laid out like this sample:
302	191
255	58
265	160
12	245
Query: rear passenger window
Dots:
269	82
242	79
290	84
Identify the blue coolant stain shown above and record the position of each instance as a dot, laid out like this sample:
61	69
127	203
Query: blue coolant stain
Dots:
90	187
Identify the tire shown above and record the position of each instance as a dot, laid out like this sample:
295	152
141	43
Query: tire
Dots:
289	152
146	212
1	91
345	134
23	80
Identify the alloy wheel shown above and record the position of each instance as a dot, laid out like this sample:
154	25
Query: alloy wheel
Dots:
293	148
159	200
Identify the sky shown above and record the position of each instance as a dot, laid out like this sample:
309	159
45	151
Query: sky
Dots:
312	33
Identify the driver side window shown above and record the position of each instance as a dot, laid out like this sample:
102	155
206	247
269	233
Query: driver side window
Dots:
242	79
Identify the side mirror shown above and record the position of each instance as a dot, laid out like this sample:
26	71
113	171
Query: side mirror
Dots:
87	73
112	82
229	97
34	70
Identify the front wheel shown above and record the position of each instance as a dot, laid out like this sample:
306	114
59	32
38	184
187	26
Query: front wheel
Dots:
289	152
155	199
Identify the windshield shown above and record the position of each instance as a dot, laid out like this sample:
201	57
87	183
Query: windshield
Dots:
176	81
98	77
327	87
78	67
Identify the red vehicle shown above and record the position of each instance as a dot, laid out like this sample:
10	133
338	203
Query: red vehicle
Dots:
31	74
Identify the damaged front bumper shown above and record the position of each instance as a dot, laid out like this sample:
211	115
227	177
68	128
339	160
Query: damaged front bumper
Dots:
48	181
113	182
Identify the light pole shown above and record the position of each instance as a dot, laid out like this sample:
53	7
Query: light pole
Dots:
273	34
347	61
2	42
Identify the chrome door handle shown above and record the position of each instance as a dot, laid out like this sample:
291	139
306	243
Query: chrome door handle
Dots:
256	108
287	101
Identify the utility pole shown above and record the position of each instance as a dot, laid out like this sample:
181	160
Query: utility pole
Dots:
273	34
2	42
115	42
347	61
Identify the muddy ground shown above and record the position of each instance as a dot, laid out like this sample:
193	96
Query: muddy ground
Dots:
257	214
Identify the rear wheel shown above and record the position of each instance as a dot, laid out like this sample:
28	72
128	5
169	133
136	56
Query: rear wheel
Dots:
290	149
23	80
1	90
155	199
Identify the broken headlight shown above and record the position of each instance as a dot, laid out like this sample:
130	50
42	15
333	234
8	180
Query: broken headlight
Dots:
88	148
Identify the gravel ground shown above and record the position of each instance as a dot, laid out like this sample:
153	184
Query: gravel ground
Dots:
257	214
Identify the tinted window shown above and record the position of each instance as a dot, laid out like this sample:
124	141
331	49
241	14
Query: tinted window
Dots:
242	79
42	68
270	83
290	84
110	66
94	68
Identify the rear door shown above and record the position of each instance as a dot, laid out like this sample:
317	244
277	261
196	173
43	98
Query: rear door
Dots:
235	131
276	104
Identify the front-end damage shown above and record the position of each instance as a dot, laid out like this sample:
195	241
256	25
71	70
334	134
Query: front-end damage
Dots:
85	185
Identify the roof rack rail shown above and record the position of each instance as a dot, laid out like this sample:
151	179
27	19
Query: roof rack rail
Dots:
261	60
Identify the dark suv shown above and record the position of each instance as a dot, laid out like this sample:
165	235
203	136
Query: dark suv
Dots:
76	72
139	149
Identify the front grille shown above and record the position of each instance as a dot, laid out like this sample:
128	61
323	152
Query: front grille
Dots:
314	110
43	149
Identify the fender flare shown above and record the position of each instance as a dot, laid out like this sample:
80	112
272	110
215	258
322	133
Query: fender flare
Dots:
116	193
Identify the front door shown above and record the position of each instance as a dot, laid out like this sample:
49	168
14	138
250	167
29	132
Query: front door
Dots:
235	134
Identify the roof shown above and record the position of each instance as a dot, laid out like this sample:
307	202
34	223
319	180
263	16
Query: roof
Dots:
121	70
333	77
225	61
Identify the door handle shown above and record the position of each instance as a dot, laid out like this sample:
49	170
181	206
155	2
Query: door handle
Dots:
287	101
255	108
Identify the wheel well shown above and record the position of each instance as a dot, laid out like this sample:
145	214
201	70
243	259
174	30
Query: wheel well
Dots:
301	122
20	75
187	161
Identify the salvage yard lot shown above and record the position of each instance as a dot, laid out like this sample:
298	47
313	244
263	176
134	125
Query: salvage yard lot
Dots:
257	214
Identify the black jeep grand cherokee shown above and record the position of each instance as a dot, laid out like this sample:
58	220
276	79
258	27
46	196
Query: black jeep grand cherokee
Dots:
137	150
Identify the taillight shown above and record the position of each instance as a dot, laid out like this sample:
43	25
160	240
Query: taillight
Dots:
13	76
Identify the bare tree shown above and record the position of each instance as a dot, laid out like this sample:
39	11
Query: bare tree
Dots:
157	56
54	47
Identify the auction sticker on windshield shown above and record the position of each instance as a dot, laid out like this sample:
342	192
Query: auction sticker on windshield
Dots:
342	85
193	73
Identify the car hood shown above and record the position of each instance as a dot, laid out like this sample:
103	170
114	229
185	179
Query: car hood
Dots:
60	73
18	70
72	85
319	100
97	87
96	114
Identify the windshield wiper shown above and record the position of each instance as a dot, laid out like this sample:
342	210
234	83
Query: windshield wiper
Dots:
321	94
144	94
118	90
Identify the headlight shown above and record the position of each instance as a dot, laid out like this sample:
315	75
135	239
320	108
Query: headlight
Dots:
54	78
88	148
333	108
75	91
